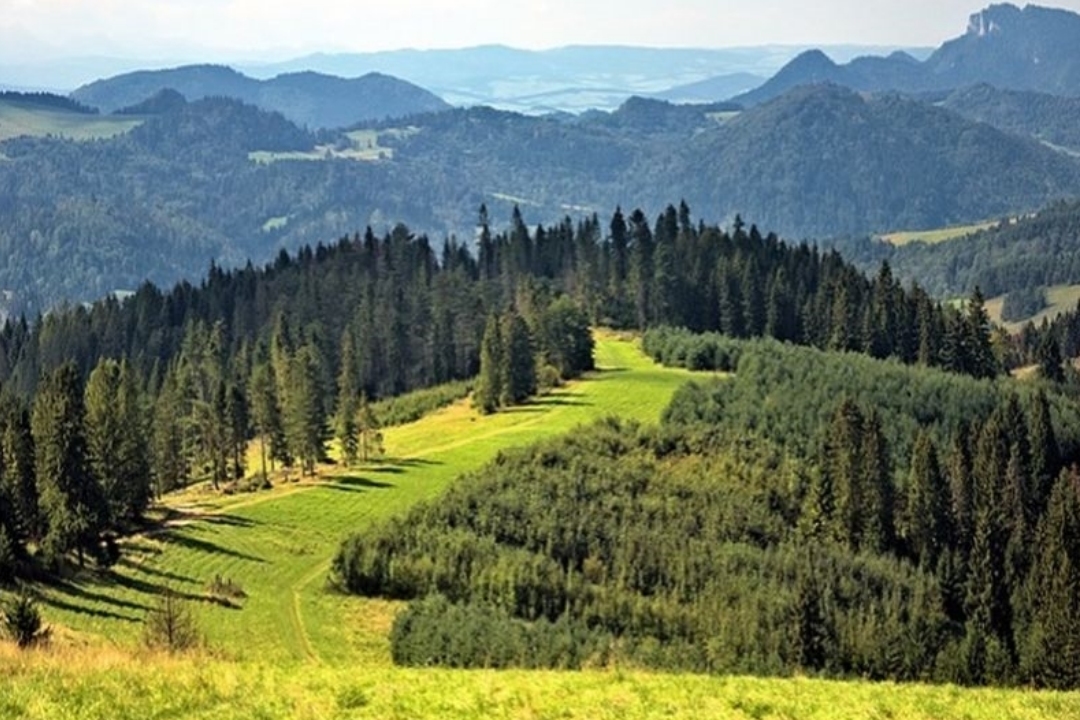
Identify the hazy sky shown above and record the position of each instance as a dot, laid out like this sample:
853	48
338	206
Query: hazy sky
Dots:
36	29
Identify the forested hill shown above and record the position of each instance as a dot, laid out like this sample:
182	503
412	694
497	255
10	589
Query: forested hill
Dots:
1051	119
215	180
1019	253
306	98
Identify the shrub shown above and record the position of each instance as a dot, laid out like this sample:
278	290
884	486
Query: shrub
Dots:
22	621
170	625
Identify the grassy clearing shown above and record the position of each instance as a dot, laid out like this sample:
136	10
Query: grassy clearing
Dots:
292	649
364	146
1059	299
277	545
20	119
932	237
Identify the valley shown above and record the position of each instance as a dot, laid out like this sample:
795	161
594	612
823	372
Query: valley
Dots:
606	376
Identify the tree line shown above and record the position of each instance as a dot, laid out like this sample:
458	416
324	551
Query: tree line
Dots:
292	353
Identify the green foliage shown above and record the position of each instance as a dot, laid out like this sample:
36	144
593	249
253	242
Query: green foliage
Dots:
22	621
412	406
71	499
1023	303
488	395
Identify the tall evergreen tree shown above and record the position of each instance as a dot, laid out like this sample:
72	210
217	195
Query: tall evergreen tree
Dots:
927	514
519	361
1054	657
489	385
345	427
116	446
304	414
71	500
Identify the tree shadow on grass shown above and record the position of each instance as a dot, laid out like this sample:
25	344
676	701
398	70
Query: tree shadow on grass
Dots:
356	481
226	519
53	602
192	543
71	590
155	572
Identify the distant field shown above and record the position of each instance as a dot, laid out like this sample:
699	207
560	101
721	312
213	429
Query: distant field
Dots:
932	237
1059	298
364	147
19	119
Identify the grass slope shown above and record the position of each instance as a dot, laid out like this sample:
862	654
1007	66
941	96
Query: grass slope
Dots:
277	545
294	650
932	237
19	119
1059	299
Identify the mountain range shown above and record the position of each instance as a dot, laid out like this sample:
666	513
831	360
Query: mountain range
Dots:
1034	48
306	98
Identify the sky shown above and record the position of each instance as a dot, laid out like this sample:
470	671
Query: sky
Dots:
36	30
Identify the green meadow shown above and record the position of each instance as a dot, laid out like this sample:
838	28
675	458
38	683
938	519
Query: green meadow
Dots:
21	119
294	648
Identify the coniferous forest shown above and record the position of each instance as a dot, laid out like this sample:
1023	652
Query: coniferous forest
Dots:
867	495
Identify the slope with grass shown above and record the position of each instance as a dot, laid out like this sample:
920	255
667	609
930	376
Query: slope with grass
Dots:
294	650
19	119
277	545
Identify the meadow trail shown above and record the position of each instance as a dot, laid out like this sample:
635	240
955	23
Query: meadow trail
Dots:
277	545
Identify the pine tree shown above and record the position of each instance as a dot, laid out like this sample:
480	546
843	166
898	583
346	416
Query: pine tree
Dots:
345	426
812	632
845	467
169	466
304	415
266	415
71	501
927	525
1055	657
116	446
1045	455
879	534
368	431
519	361
17	473
488	393
1048	355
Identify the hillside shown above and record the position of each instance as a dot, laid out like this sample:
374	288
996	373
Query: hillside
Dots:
306	98
1033	49
217	181
1051	119
41	115
1041	250
827	161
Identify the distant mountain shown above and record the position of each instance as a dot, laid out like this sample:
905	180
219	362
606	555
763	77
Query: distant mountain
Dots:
1031	49
574	78
309	99
824	160
1052	119
713	89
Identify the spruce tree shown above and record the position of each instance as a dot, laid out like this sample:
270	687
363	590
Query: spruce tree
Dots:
368	431
71	500
1045	455
519	361
116	446
304	415
878	534
1055	655
927	513
345	427
17	472
489	385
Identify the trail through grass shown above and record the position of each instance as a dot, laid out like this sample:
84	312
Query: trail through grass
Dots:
278	544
